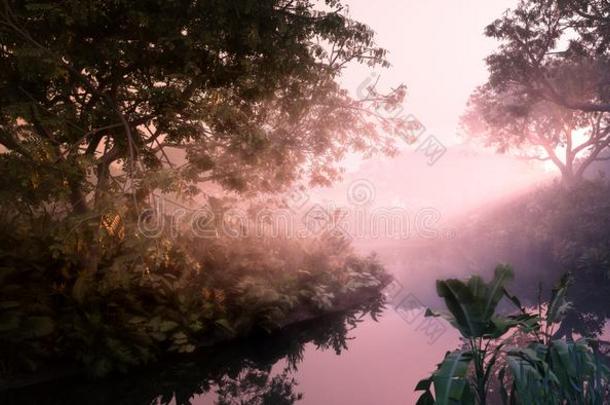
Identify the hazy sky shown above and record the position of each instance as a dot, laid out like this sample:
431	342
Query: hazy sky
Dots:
437	48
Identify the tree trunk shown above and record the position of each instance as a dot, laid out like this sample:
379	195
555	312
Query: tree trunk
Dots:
569	177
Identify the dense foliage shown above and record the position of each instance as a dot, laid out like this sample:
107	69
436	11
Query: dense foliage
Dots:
550	231
543	233
153	296
243	371
516	354
104	97
105	104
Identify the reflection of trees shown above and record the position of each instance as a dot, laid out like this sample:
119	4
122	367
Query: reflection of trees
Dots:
256	387
238	373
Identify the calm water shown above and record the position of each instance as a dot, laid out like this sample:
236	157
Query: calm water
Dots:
375	363
341	359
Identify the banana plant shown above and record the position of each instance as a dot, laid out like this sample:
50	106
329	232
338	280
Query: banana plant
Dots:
471	309
543	371
557	373
450	381
551	371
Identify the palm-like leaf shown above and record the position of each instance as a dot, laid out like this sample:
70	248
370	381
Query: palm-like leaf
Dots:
554	372
450	381
562	371
533	381
472	304
559	304
579	373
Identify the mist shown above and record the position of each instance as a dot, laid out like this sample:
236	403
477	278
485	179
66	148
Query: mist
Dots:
288	202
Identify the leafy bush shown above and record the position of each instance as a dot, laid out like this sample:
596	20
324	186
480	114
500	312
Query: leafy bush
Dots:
528	366
148	297
545	233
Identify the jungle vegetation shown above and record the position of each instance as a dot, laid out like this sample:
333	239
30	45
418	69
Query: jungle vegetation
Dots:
236	371
107	105
546	98
512	358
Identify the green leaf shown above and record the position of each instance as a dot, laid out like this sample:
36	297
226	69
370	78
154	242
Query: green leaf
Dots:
534	381
450	378
473	304
424	384
167	325
495	291
513	298
224	323
559	304
425	399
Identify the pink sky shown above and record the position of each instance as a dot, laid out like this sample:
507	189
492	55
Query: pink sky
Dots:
437	48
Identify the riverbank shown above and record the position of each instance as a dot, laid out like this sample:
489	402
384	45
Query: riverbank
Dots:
304	321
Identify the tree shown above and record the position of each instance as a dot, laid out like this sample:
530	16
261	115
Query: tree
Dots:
548	84
102	98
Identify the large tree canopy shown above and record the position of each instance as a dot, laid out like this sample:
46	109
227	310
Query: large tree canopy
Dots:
97	96
548	92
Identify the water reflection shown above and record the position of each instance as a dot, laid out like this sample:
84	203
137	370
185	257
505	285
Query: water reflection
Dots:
299	365
241	372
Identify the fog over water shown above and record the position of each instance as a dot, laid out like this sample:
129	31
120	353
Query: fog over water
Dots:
417	211
386	360
440	73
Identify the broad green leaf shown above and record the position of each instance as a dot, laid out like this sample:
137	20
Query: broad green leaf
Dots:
495	290
425	399
473	304
450	379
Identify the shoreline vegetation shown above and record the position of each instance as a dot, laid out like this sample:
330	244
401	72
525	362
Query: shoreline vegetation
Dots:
548	349
366	301
234	369
226	105
161	296
105	106
515	357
